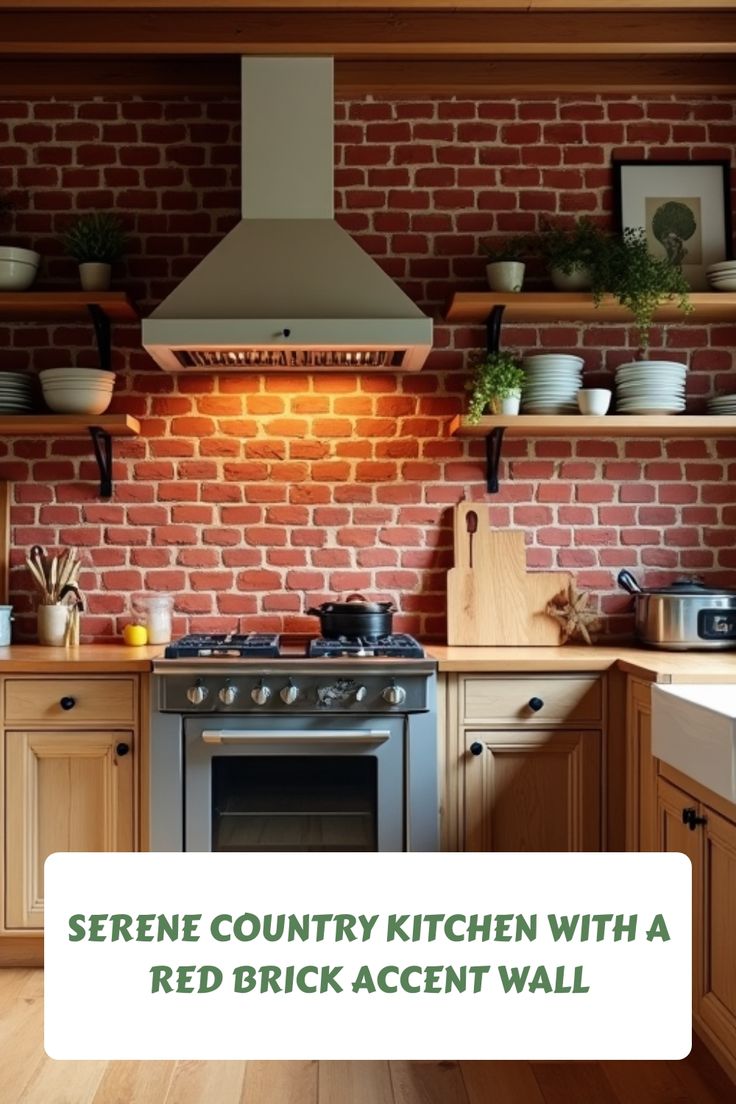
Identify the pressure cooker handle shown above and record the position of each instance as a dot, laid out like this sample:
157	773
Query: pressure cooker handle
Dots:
628	582
356	598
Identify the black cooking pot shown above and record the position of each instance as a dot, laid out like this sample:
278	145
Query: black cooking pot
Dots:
354	617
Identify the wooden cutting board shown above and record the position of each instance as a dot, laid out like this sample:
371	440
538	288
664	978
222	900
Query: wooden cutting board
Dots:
495	601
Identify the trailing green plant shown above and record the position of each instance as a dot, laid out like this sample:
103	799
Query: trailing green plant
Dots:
513	249
98	237
639	281
571	247
495	376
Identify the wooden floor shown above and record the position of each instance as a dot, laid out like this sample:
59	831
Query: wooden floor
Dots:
27	1076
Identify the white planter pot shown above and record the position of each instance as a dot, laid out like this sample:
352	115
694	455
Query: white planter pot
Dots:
505	275
580	279
509	404
95	276
52	623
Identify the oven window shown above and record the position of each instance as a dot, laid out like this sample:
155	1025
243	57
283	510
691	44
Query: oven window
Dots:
294	803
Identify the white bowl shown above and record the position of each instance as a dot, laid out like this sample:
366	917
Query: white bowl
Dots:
18	268
75	373
76	385
594	400
78	402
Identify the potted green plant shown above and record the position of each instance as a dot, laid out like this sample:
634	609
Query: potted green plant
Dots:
505	267
95	241
639	281
18	267
572	253
496	382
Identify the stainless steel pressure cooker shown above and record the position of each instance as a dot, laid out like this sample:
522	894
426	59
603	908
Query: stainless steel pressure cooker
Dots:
684	616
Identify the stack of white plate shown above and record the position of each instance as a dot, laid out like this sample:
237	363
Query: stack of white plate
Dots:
16	393
650	387
722	276
552	383
722	404
77	390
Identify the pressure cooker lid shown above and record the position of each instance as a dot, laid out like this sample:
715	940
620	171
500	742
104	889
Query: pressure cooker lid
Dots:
355	603
688	585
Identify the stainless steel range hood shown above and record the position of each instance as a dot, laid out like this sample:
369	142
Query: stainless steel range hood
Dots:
288	288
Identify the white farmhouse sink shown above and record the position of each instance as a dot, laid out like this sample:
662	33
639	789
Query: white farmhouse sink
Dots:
694	730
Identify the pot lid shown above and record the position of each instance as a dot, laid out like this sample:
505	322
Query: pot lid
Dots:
355	603
690	585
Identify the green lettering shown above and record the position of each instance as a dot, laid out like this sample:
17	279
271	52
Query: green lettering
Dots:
76	924
658	930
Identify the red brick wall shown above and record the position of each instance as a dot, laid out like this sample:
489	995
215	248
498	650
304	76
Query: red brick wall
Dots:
252	497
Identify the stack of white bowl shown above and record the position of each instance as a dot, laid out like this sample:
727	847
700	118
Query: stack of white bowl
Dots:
722	404
722	276
650	387
18	268
16	393
552	383
77	390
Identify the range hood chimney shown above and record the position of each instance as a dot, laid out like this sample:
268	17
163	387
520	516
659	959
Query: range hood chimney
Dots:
288	289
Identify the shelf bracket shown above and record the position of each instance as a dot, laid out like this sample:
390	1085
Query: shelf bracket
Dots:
102	442
103	334
493	328
494	441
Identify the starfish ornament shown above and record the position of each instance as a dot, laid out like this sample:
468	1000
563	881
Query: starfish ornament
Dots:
570	609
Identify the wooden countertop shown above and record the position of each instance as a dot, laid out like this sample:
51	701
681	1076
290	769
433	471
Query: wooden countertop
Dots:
90	659
703	667
644	662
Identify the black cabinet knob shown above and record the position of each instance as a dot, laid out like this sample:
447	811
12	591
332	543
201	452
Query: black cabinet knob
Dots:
535	704
691	818
476	748
68	703
122	749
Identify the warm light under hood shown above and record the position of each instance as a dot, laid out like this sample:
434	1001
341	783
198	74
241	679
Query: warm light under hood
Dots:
288	288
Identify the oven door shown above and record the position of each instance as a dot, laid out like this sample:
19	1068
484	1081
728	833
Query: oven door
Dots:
298	783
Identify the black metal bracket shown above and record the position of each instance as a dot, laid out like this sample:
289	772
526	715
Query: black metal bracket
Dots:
103	334
493	328
102	442
494	440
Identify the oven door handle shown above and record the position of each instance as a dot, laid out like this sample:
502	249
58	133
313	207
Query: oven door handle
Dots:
287	736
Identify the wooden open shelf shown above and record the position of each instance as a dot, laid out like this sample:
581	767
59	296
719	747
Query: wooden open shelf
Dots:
67	425
611	425
547	307
67	304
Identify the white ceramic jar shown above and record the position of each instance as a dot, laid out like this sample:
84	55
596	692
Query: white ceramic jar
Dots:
6	616
52	622
154	611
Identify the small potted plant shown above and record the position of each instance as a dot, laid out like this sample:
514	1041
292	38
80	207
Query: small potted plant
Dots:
572	253
505	269
496	382
18	267
95	241
639	281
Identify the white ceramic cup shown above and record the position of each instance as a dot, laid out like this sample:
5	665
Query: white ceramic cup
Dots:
594	400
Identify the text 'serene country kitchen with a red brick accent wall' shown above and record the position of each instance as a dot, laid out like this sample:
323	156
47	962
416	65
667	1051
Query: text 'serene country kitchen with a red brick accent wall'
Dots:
252	496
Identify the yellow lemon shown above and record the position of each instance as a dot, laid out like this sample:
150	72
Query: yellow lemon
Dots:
135	635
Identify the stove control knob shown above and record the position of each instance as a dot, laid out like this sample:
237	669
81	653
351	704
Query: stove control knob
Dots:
394	695
228	694
260	694
289	693
197	693
360	693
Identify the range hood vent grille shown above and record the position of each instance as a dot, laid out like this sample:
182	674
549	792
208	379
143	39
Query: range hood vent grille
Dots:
285	359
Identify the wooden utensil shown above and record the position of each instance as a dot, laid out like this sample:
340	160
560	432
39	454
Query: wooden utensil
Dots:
494	600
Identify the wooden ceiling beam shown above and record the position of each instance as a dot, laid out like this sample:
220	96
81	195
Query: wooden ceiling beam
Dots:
220	76
361	34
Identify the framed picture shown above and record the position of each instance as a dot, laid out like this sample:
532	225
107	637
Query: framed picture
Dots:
684	208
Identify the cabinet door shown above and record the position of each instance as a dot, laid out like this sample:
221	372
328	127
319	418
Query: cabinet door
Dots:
716	992
533	791
674	835
64	791
641	770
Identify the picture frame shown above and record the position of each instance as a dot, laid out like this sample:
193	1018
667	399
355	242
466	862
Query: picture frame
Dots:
684	208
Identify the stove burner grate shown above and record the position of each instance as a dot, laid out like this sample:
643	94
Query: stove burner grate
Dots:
243	645
395	646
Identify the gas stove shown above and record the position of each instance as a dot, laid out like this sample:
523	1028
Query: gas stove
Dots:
269	646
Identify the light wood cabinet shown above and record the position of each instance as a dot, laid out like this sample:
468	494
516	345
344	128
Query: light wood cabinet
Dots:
711	847
68	780
641	769
523	762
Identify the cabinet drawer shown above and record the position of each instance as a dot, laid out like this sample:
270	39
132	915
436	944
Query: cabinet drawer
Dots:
505	699
102	701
